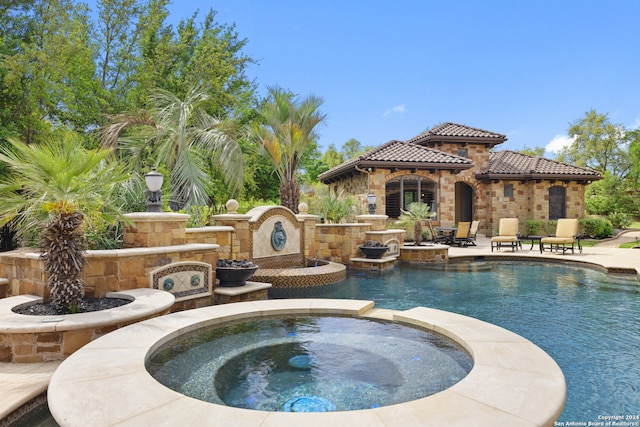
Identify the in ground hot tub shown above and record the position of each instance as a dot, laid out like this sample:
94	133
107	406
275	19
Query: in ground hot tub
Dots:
106	383
310	363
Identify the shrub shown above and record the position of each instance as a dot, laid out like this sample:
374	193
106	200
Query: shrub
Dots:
536	227
335	209
598	228
200	216
619	219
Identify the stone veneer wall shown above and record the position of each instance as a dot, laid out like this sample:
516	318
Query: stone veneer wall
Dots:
105	271
425	254
54	345
149	229
530	201
221	236
339	242
240	247
27	339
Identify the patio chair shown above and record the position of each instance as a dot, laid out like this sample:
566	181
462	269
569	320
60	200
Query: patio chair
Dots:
462	234
566	237
473	232
507	233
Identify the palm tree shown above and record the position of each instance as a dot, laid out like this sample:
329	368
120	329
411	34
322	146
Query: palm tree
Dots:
287	127
412	218
57	187
183	137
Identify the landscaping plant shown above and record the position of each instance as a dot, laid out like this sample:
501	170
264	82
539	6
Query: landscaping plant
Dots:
55	188
411	219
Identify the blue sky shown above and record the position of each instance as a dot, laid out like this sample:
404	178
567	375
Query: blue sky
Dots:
392	69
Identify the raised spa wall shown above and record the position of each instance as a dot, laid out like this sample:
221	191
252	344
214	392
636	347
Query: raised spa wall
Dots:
156	241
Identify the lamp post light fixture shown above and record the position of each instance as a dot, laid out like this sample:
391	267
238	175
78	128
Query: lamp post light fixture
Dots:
371	201
154	191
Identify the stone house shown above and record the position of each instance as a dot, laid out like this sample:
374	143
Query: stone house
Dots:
454	169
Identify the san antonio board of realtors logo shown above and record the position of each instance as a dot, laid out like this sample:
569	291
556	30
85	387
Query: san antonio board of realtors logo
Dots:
278	237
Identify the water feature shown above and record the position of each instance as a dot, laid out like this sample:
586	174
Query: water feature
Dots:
588	321
310	364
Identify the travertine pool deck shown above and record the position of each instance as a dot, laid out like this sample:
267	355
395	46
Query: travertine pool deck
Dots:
21	382
513	382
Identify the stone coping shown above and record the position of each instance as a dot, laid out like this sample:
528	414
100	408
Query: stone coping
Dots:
425	247
157	216
372	216
513	382
123	253
382	260
349	225
384	232
145	302
248	287
209	228
21	383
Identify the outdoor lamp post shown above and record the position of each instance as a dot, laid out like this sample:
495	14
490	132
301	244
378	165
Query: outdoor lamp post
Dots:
371	201
154	192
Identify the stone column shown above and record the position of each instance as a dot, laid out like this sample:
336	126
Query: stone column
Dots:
241	245
378	222
151	229
309	230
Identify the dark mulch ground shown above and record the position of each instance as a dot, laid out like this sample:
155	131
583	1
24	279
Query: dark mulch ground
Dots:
88	304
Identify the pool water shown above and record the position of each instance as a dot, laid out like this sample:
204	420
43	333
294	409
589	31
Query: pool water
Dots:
310	364
588	321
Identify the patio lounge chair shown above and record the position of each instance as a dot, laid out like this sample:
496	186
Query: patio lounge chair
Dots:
462	234
473	232
566	237
507	233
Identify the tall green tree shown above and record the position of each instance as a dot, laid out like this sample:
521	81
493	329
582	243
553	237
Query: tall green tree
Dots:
598	144
196	52
48	70
353	148
287	126
117	34
535	151
182	136
60	185
633	138
332	157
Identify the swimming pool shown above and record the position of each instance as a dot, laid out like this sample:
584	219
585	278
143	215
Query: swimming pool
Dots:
588	321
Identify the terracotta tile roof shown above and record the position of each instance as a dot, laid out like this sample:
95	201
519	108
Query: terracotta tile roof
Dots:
398	154
510	164
453	131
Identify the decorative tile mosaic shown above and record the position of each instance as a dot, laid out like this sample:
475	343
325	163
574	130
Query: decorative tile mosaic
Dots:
394	247
185	280
317	273
17	416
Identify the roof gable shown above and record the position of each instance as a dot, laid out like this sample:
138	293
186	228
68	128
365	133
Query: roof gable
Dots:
510	164
454	132
398	154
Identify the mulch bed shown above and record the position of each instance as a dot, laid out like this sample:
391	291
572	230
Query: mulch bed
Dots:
88	305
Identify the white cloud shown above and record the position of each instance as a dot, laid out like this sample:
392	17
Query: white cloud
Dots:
396	109
636	124
558	143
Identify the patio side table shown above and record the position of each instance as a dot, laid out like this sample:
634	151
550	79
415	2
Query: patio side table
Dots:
534	239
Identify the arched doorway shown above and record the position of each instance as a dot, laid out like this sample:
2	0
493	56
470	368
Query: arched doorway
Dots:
557	202
464	202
